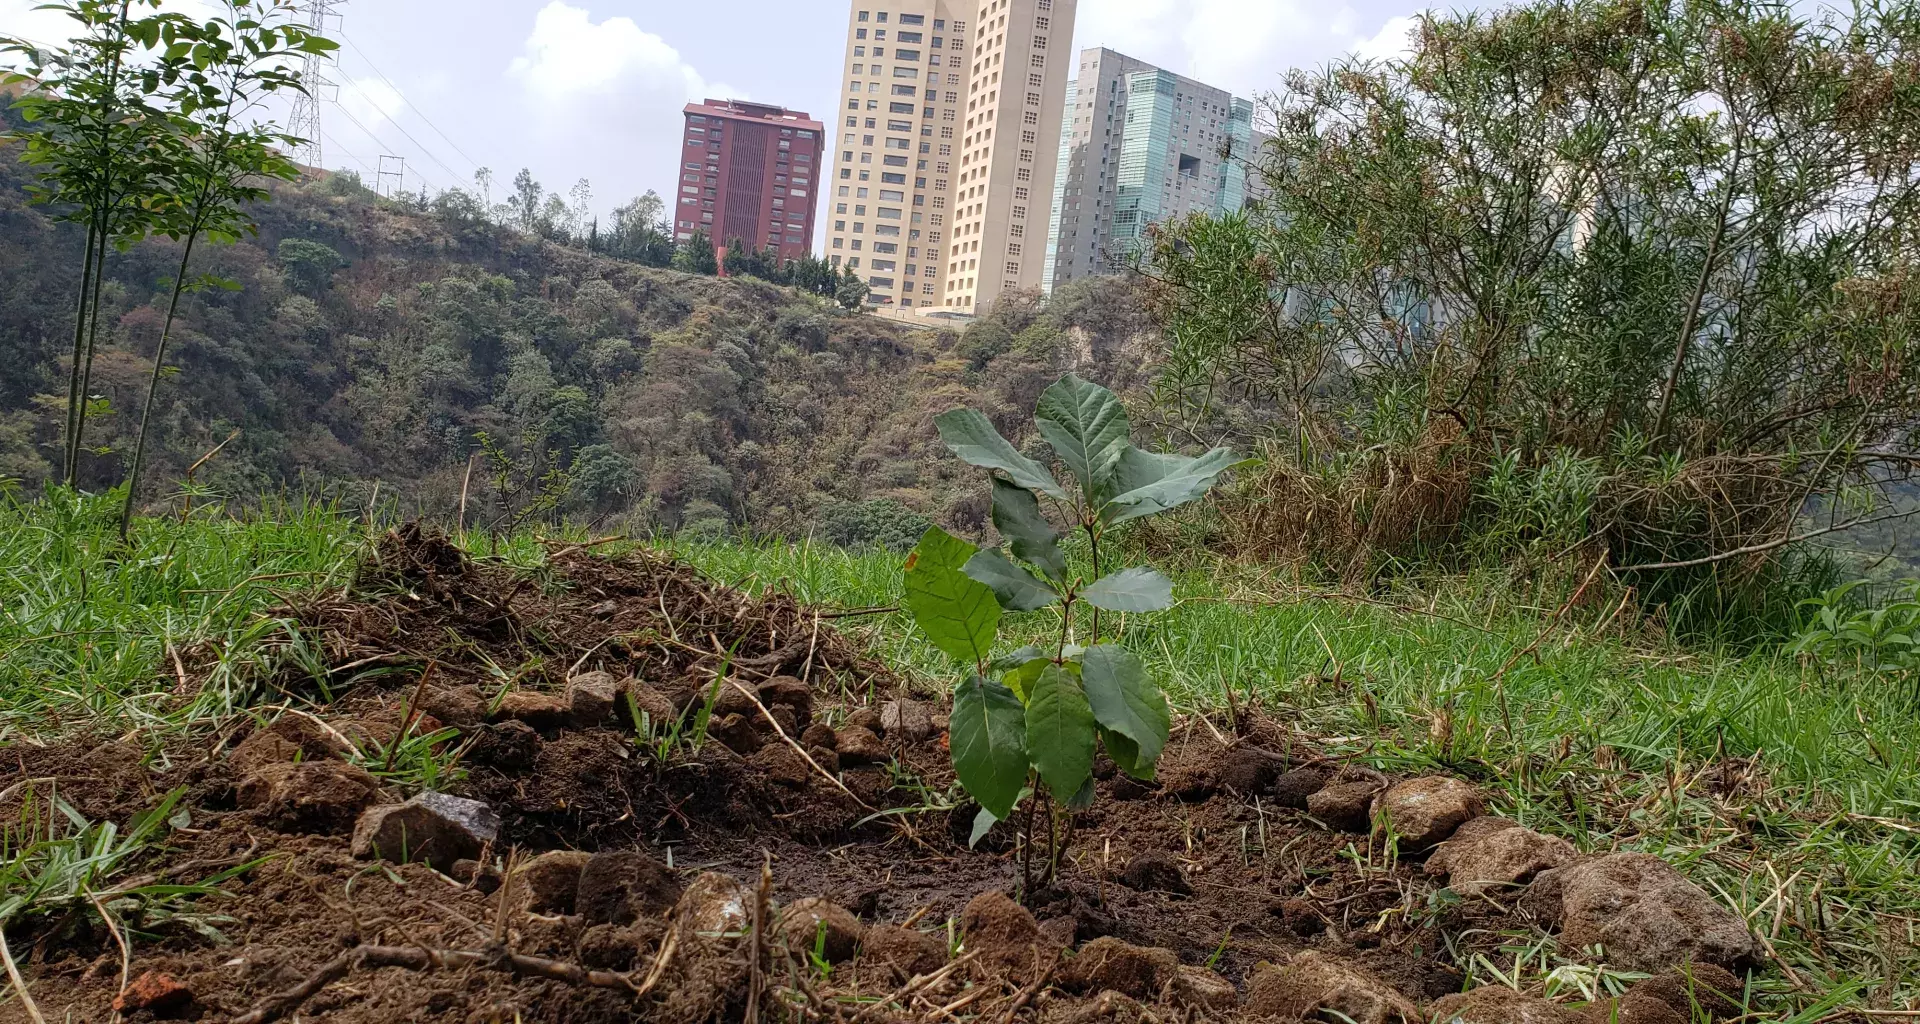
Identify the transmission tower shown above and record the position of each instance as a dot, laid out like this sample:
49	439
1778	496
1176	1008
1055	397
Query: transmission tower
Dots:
392	183
304	122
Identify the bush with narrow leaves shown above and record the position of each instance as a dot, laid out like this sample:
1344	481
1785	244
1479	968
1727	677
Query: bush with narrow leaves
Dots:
1031	720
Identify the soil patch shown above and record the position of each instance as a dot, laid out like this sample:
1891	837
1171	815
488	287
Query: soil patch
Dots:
701	805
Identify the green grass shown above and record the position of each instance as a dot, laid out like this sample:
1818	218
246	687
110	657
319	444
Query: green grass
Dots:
1610	742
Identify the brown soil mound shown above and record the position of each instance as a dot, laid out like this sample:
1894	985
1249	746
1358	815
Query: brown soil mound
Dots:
783	840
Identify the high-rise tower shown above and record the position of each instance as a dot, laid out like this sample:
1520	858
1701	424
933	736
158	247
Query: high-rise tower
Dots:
944	147
1021	54
750	173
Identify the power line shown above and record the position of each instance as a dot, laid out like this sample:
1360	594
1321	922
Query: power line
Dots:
376	139
335	143
403	97
355	86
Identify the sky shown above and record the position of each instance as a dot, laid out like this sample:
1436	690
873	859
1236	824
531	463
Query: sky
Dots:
593	89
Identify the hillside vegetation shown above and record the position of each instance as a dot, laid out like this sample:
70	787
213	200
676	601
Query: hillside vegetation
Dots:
370	343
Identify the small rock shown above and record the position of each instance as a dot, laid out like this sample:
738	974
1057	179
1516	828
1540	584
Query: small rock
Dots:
154	992
731	701
736	732
857	745
819	734
623	886
1488	855
1110	964
911	953
593	698
814	924
1497	1004
660	714
1246	770
552	880
782	764
1156	871
715	904
1314	986
1426	811
605	609
906	722
1293	788
864	718
509	746
1199	988
309	796
790	693
432	827
543	711
941	723
1647	915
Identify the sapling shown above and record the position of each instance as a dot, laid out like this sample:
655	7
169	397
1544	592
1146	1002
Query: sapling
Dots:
1026	724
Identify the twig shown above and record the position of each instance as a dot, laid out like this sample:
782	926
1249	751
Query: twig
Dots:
848	613
660	961
1027	994
1754	549
421	958
913	986
126	952
1598	564
19	983
757	968
782	733
461	522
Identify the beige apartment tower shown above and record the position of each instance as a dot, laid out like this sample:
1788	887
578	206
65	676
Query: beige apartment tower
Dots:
945	144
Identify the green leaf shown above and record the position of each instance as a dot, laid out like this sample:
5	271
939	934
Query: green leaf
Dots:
959	615
1087	427
1015	659
1130	590
1014	587
1126	755
1060	730
1021	678
972	437
1127	703
1149	484
1016	514
989	741
1083	797
982	824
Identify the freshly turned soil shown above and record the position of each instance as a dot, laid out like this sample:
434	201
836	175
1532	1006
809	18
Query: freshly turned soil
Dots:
1218	867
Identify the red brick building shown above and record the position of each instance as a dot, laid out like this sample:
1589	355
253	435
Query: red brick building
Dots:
749	171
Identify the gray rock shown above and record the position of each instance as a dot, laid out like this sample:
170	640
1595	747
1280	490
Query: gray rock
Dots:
715	904
432	827
593	699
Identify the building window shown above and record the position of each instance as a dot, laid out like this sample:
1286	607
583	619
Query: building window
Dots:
1016	231
1032	117
1033	98
1027	138
906	90
1026	156
1019	213
1013	268
1042	23
892	196
899	54
1039	61
907	37
900	72
1020	193
1039	42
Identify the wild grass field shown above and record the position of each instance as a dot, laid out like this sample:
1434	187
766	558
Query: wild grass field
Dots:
1794	794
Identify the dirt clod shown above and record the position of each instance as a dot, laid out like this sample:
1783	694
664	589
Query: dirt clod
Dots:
1314	986
906	721
609	947
737	732
593	698
1426	811
1201	989
791	694
819	734
817	926
1344	805
308	796
909	952
1156	871
714	904
1497	1004
432	827
552	880
622	886
1003	932
509	746
783	765
1489	855
290	738
857	745
545	712
1293	788
1648	916
1110	964
1248	771
156	993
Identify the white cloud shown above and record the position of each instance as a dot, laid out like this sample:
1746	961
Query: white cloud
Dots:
569	57
1394	41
